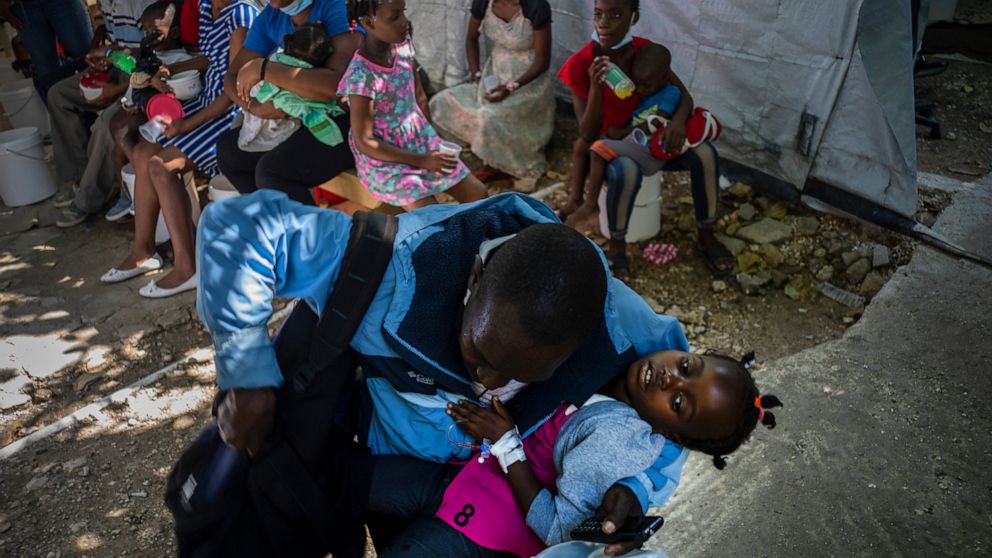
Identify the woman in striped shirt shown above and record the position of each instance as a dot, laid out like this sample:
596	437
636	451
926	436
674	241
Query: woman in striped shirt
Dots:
189	144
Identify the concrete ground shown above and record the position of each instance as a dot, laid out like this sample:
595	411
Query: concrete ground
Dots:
885	444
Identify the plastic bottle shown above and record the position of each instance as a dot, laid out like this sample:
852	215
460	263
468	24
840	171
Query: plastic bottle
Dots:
121	60
618	81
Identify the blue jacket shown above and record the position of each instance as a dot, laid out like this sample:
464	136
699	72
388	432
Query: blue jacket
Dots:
255	247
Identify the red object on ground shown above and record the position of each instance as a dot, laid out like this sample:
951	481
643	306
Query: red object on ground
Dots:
322	196
189	23
165	105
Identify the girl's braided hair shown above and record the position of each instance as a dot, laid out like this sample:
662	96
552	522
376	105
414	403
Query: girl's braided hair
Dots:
753	407
358	9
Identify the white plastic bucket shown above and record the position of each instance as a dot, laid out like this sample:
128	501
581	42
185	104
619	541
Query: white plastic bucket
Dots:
161	230
222	189
24	107
24	175
645	219
127	178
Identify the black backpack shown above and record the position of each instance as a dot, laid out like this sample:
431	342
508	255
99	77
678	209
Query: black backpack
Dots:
304	493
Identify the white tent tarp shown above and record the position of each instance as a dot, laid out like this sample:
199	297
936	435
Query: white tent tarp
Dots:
804	88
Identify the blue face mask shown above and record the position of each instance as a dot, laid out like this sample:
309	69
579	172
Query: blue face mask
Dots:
296	8
627	39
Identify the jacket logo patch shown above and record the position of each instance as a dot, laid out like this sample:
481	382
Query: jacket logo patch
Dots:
420	378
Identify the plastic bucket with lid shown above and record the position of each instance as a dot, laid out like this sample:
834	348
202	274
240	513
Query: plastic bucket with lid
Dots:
23	106
24	175
645	218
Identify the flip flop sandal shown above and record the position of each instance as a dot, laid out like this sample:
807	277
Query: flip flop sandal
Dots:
718	259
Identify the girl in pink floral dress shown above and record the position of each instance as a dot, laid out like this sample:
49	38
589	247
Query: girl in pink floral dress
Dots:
395	146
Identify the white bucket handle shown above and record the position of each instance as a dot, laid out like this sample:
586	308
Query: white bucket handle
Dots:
4	150
24	106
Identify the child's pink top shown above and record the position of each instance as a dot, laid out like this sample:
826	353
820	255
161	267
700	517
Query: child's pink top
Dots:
479	498
397	120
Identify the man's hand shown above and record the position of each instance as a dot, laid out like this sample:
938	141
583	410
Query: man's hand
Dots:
245	418
482	423
619	508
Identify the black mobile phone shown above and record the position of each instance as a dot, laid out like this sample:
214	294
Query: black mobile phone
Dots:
592	530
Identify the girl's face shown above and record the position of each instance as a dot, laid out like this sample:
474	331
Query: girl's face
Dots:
685	396
612	19
389	24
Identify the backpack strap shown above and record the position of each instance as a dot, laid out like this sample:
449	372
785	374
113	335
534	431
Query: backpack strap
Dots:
369	251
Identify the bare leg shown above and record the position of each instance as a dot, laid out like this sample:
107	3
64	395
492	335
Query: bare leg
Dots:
164	170
470	189
616	254
424	202
590	206
577	178
146	206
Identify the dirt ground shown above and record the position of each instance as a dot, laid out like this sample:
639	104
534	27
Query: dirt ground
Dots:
95	489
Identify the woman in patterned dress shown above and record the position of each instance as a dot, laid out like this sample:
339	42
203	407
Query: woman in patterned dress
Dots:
509	126
189	144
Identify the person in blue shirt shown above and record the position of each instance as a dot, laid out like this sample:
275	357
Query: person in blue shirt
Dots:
493	297
301	162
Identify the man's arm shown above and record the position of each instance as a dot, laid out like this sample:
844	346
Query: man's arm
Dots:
249	250
253	248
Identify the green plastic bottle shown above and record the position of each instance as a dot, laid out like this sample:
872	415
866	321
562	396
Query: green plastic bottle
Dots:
618	81
121	60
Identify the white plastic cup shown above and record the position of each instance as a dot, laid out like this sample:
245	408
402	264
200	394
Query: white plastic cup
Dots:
490	83
449	148
152	130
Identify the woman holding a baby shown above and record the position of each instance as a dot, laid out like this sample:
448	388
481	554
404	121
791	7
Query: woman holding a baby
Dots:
272	150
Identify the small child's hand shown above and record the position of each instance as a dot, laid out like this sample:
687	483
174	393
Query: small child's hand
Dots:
438	162
482	423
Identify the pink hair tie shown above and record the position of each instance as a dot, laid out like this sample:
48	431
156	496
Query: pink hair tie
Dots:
761	415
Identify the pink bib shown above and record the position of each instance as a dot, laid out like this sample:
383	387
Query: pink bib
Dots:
479	501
